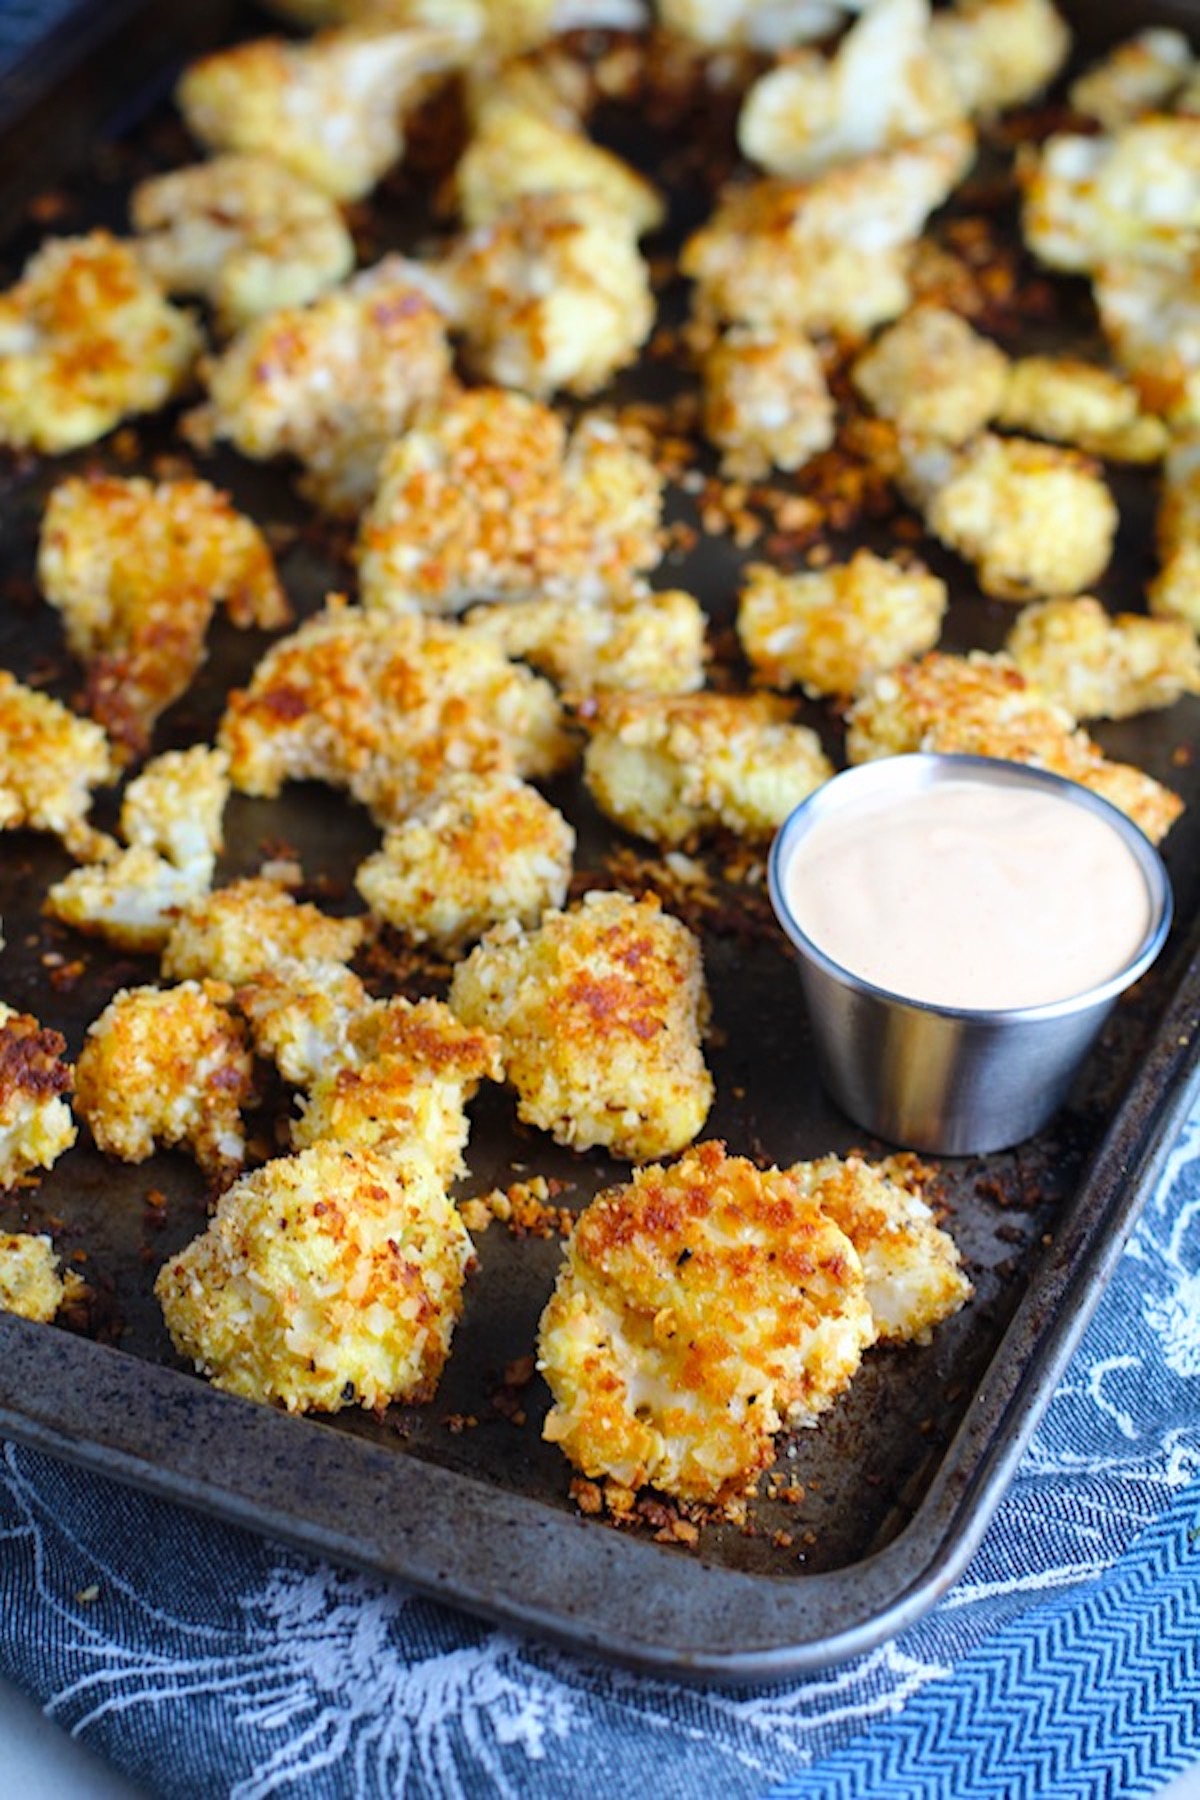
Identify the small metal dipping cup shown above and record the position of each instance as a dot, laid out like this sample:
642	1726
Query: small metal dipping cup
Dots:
949	1080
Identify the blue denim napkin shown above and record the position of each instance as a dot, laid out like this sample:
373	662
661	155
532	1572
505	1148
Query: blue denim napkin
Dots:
204	1662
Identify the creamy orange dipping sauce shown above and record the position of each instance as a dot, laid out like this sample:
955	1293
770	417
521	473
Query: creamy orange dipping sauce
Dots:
970	894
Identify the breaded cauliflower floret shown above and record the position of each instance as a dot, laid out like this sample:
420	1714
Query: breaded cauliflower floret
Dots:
932	375
882	87
176	805
1138	75
999	53
136	569
1175	591
300	1012
327	1279
769	25
766	401
600	1012
30	1284
1150	315
552	294
826	629
87	339
487	498
387	708
1079	403
1035	519
670	767
251	925
331	109
1132	195
244	232
1101	667
699	1310
131	900
827	254
411	1071
333	383
912	1268
983	706
483	848
650	643
35	1118
502	27
166	1066
50	760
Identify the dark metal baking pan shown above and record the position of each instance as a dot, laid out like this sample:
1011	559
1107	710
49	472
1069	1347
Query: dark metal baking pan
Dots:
462	1498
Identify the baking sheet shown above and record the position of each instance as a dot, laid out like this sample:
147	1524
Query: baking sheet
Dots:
897	1483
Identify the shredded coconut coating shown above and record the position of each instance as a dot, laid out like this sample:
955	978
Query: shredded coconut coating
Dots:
932	375
387	708
300	1013
552	294
1175	591
983	706
30	1284
482	849
1079	403
412	1069
1035	519
87	339
830	254
35	1117
1101	667
600	1012
50	760
487	498
672	767
883	86
1150	315
825	630
636	642
249	926
242	232
766	401
136	569
700	1308
1137	76
333	383
1132	195
911	1267
331	108
1000	53
166	1066
326	1279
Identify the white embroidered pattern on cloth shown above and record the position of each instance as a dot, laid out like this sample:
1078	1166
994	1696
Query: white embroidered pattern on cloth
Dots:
317	1681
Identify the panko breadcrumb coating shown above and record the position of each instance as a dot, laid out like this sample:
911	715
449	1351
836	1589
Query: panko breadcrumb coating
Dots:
1150	315
483	848
333	383
1079	403
250	925
1035	519
331	109
912	1268
825	630
671	767
830	254
933	375
136	569
1132	194
326	1279
983	706
300	1012
700	1309
176	805
1000	53
1175	591
412	1068
636	642
35	1118
600	1011
243	232
166	1066
87	338
1101	667
766	401
1138	75
30	1284
387	708
552	294
50	760
883	86
487	498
